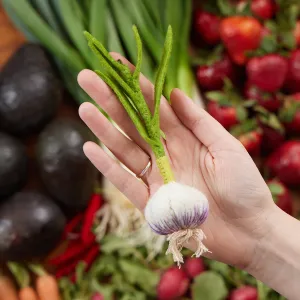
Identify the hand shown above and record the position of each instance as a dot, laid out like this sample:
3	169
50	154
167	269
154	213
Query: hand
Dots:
202	153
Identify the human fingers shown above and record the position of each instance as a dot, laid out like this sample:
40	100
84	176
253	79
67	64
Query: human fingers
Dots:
208	130
123	148
97	89
135	190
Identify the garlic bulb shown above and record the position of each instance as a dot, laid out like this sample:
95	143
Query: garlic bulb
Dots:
178	210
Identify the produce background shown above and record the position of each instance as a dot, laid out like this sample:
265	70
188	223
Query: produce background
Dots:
120	270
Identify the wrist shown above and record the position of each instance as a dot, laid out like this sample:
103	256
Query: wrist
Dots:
275	261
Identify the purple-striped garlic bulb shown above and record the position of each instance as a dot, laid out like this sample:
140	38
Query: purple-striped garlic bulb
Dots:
178	210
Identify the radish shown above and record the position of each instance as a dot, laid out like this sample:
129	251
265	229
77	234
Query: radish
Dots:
244	293
97	296
173	283
194	266
175	210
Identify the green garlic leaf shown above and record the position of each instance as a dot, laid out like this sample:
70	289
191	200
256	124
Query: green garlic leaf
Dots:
140	275
209	286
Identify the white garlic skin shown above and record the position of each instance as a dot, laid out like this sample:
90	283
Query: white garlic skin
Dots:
175	207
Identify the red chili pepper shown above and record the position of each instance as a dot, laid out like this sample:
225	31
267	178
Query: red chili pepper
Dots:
75	249
66	270
89	216
71	226
89	259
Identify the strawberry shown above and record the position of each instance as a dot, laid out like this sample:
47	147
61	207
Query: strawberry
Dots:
211	76
207	26
194	266
281	196
263	9
267	72
250	135
244	293
239	35
297	33
271	139
226	115
290	114
292	83
226	106
273	133
173	284
269	101
284	163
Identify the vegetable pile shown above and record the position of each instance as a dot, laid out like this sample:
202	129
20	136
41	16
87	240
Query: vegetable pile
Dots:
244	55
246	62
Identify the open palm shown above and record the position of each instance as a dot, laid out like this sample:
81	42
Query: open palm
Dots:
203	155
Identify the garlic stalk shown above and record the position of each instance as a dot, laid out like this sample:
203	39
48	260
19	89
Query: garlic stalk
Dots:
175	210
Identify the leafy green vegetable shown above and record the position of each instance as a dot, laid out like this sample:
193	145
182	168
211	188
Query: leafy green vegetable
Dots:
140	275
209	286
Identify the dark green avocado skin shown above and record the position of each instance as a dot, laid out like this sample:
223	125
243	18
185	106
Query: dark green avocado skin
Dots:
31	226
13	165
30	91
67	174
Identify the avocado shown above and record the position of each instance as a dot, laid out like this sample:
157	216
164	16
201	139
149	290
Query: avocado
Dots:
13	165
31	225
67	174
30	91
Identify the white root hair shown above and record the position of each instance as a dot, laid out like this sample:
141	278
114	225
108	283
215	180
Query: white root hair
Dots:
178	239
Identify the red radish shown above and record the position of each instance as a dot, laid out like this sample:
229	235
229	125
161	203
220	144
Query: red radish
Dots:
244	293
290	114
226	115
194	266
281	196
211	77
292	83
97	296
239	35
284	163
272	139
267	72
297	33
263	9
270	101
174	283
208	27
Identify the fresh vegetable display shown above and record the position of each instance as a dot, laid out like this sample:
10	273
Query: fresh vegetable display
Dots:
30	91
75	236
31	225
63	165
13	165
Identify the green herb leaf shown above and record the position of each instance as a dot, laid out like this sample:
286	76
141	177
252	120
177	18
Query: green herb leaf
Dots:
209	286
111	243
140	275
